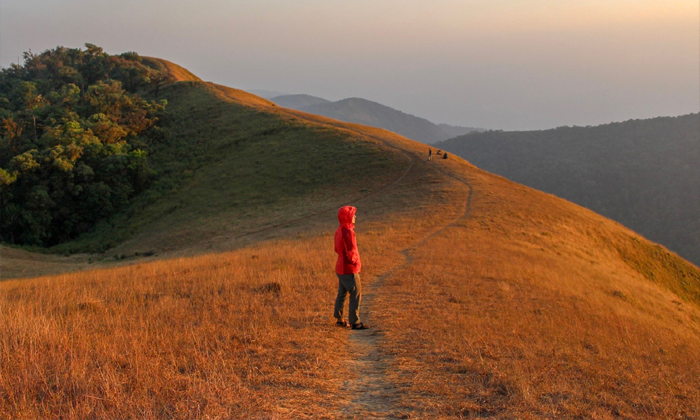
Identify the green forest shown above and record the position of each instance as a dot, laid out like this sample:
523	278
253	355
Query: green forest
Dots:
641	173
76	127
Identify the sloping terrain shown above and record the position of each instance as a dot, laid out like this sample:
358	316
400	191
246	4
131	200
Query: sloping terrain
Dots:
178	73
641	173
487	298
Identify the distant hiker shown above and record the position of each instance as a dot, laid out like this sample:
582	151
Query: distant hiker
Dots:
430	154
444	156
439	152
348	270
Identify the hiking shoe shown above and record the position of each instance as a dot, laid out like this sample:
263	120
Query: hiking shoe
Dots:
360	326
342	324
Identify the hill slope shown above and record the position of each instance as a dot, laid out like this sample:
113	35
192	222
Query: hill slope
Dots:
488	298
642	173
179	74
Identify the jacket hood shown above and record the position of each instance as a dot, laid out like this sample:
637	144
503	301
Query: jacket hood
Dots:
345	214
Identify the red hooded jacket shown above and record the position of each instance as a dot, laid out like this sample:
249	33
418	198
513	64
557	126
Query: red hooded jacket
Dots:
345	243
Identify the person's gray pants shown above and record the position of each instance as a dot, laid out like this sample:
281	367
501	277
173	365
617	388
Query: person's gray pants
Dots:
349	284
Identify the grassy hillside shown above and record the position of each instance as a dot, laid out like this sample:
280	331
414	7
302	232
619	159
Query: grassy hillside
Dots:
488	298
236	169
642	173
178	73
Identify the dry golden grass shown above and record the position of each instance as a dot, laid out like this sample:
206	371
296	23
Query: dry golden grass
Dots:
512	312
243	334
179	73
528	307
537	316
228	335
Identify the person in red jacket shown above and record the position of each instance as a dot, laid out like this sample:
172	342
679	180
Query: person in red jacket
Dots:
348	270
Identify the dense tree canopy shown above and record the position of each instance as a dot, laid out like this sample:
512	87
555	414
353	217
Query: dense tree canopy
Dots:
75	128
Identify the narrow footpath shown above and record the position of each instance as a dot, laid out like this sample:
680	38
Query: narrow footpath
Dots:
371	394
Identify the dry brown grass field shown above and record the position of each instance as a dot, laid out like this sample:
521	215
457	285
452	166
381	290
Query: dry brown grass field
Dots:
487	300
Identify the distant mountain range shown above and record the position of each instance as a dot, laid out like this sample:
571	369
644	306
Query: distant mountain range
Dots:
642	173
363	111
267	94
456	131
298	101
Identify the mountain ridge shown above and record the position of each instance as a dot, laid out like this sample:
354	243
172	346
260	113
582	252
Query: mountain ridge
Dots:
364	111
298	101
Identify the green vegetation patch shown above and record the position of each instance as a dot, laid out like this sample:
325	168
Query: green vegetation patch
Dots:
664	268
75	127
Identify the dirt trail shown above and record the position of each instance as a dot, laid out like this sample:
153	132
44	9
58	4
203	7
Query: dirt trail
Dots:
372	395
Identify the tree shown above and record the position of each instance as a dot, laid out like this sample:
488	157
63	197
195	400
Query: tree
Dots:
74	137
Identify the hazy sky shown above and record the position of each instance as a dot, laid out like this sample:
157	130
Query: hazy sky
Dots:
510	64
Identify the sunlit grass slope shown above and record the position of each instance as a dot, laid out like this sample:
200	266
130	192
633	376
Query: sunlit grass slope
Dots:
491	299
179	74
546	311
